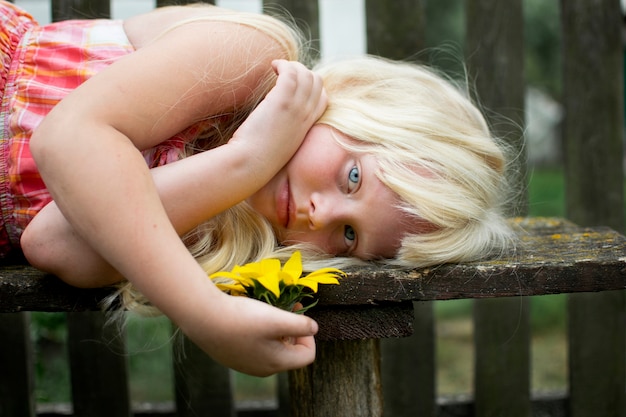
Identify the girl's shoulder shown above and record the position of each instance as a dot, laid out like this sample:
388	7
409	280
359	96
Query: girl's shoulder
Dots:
146	28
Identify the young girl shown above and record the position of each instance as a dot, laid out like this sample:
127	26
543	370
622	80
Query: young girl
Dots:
119	138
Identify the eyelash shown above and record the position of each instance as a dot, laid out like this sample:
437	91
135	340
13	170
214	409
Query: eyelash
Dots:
354	171
354	178
349	234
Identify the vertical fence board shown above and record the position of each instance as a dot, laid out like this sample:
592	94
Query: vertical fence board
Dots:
344	380
408	368
99	373
395	29
596	354
80	9
162	3
283	395
306	15
495	61
16	366
593	85
203	386
502	374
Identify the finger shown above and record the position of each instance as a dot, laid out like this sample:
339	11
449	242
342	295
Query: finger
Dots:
276	64
299	353
295	325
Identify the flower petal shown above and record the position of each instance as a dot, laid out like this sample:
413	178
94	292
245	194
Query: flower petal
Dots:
333	271
270	281
226	274
233	289
309	283
322	279
249	270
269	266
293	267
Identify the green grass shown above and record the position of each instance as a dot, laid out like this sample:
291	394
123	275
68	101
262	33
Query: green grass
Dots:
546	193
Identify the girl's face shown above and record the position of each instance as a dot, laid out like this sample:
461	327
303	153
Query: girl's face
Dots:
332	198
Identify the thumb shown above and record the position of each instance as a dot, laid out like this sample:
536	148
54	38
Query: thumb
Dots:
298	325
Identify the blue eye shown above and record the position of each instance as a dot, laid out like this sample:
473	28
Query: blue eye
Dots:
353	177
349	234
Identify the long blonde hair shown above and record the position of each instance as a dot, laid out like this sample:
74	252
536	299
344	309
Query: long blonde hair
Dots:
434	150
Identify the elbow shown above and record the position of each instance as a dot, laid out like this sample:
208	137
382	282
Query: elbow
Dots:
35	252
48	142
66	257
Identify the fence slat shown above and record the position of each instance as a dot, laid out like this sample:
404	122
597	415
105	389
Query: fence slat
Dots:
80	9
99	374
502	371
306	15
203	386
593	126
596	354
502	337
344	380
395	29
162	3
408	368
16	366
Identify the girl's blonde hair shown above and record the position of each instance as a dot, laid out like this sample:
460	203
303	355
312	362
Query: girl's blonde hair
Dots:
434	151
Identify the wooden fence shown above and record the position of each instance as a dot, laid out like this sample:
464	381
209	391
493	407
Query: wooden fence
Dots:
592	132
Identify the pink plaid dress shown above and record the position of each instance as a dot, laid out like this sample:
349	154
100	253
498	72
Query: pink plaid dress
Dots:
39	66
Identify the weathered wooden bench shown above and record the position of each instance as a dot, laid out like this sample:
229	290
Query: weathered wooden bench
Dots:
554	257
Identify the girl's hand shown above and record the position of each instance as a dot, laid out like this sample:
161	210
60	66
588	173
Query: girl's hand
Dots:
253	337
277	127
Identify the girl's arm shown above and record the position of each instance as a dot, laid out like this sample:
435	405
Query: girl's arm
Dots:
51	244
87	152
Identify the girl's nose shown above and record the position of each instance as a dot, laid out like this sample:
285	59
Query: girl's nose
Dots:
322	211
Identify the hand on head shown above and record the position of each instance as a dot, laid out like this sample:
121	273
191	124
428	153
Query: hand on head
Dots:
276	128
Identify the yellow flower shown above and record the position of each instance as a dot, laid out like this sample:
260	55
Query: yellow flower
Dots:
281	287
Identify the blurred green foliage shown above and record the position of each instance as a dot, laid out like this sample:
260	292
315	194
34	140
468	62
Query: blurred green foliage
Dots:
445	33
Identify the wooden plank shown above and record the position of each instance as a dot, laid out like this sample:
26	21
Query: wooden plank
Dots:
23	288
593	118
502	372
593	125
98	368
495	50
395	29
363	322
554	257
597	330
80	9
203	387
551	260
283	395
162	3
17	397
408	368
306	15
344	380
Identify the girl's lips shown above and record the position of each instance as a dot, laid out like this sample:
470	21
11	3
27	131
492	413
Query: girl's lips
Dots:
282	205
